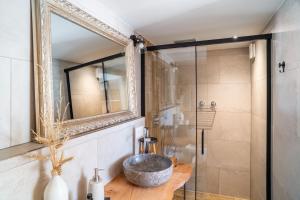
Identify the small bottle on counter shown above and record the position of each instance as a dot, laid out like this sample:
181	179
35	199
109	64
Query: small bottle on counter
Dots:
96	187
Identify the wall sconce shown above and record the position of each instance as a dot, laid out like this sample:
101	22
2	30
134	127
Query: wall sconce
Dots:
138	40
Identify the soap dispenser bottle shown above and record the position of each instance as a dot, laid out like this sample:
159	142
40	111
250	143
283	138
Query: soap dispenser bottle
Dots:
96	187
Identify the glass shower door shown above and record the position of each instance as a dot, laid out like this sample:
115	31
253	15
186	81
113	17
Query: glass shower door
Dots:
170	106
232	163
207	106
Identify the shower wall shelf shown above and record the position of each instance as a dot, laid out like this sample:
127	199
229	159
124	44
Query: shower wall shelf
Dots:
205	118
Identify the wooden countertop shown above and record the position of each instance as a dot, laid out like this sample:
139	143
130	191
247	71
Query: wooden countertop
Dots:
120	189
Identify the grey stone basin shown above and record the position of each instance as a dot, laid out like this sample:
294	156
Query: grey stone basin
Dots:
148	170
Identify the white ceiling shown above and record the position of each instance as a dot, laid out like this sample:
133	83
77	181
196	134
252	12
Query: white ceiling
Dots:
164	21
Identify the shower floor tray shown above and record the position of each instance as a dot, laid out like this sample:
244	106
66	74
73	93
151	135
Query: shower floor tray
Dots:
203	196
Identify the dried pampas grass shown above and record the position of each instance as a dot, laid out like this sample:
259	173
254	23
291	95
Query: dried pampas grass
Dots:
53	138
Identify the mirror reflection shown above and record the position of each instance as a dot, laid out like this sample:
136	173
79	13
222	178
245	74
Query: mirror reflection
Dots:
89	68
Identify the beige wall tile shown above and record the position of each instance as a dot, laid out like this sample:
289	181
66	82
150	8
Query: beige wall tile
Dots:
186	74
258	181
235	183
201	94
208	70
208	179
235	69
86	105
190	118
22	102
259	98
184	96
258	127
88	97
202	70
259	140
115	106
227	51
5	96
231	97
258	158
228	154
231	126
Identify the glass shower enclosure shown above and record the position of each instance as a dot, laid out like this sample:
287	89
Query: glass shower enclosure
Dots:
208	106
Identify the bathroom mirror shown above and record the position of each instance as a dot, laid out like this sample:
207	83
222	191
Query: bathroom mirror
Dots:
83	64
89	71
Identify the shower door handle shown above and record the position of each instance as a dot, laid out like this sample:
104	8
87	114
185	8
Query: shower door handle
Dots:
202	142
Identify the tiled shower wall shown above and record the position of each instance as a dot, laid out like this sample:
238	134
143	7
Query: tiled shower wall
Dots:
258	122
286	101
223	77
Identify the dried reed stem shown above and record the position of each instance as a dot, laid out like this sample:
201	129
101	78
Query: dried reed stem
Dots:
52	138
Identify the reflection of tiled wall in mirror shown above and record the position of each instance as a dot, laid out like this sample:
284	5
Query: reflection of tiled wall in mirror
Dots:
59	78
86	93
91	92
16	73
87	90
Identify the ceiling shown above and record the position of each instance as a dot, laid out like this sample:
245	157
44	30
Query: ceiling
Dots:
164	21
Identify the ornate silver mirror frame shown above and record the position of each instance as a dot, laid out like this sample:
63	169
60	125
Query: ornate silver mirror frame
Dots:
43	66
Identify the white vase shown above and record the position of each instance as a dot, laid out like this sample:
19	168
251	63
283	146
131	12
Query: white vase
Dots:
56	189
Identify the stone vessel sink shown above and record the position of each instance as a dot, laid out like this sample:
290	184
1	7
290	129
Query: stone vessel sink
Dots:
148	170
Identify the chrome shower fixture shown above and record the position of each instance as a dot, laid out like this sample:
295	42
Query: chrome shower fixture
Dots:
213	104
201	104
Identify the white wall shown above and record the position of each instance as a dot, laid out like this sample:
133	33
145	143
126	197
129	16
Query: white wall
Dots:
16	70
286	101
15	73
24	178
